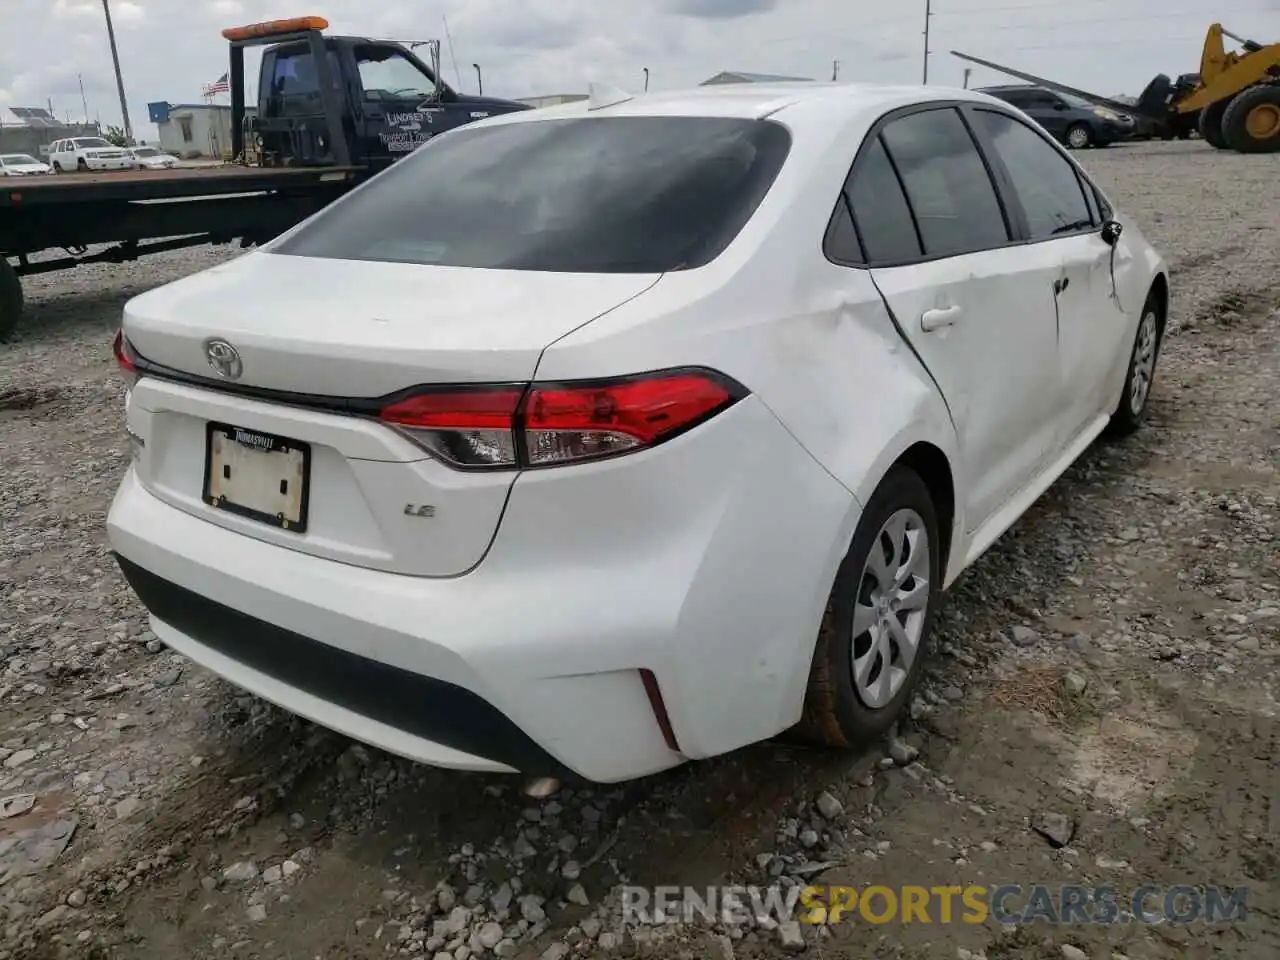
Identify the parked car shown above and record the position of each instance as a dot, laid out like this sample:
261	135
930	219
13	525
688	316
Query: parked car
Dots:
87	153
612	435
149	158
22	165
1074	122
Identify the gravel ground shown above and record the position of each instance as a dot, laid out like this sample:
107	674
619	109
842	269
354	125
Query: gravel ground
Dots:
1102	709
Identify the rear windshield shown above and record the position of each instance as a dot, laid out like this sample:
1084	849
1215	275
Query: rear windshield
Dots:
581	195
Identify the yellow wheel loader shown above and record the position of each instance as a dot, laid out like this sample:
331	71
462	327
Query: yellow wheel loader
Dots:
1233	102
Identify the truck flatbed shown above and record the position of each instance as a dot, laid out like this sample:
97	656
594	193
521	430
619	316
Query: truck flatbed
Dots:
178	183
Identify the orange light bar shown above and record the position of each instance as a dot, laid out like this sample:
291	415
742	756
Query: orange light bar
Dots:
270	28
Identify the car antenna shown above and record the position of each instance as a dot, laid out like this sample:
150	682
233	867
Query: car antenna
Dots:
601	95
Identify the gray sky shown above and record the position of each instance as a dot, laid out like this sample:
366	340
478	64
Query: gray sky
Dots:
170	48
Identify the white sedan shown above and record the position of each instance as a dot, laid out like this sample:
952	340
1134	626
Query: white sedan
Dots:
149	158
22	165
601	438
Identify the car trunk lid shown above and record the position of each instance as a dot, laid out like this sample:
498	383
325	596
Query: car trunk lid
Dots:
289	451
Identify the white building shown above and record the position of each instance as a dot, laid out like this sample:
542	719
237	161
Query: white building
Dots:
194	130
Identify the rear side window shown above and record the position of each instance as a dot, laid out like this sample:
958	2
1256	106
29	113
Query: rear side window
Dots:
580	195
880	210
947	183
1045	182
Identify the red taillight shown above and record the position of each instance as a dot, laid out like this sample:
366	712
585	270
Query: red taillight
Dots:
468	428
552	423
125	356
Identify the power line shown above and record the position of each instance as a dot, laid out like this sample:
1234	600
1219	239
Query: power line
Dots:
1019	8
1091	21
1109	40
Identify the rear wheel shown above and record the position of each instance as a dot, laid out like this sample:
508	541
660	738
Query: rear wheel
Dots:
1079	136
10	298
1131	411
1251	122
1210	124
875	632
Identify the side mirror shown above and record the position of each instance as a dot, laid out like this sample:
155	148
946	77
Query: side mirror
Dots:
1059	105
1111	231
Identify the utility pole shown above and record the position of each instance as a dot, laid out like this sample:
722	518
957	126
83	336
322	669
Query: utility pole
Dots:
928	14
646	79
479	79
835	70
115	59
83	102
967	72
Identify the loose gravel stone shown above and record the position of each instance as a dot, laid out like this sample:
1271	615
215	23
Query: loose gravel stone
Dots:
828	806
241	872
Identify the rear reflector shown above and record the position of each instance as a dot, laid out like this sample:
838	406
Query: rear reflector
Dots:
546	424
659	708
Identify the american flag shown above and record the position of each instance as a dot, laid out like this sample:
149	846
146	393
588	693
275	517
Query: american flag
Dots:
218	86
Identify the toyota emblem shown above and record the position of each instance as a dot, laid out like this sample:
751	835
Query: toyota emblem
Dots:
224	359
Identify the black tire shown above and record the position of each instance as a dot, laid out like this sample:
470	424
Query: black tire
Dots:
1210	124
10	299
57	167
1080	132
1241	126
834	713
82	166
1129	414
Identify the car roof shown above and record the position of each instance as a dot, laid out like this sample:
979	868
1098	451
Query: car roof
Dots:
751	101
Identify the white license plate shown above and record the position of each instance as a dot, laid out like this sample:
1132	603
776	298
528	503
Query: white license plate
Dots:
257	475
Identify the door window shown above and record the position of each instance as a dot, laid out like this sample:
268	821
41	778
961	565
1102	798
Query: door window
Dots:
1045	182
880	209
946	182
386	74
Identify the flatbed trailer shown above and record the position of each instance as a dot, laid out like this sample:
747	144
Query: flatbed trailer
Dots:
141	212
318	131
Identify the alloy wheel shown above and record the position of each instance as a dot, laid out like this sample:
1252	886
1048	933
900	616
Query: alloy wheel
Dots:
892	606
1144	363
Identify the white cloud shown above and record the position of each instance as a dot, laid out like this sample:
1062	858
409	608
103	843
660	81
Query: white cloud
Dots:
170	48
128	13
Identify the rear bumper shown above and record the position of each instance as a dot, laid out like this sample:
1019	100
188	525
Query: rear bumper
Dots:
330	684
706	562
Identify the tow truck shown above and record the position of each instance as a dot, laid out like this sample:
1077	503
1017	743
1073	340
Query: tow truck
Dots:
332	111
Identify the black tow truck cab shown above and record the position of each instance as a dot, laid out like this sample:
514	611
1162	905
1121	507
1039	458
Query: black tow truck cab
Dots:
331	112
